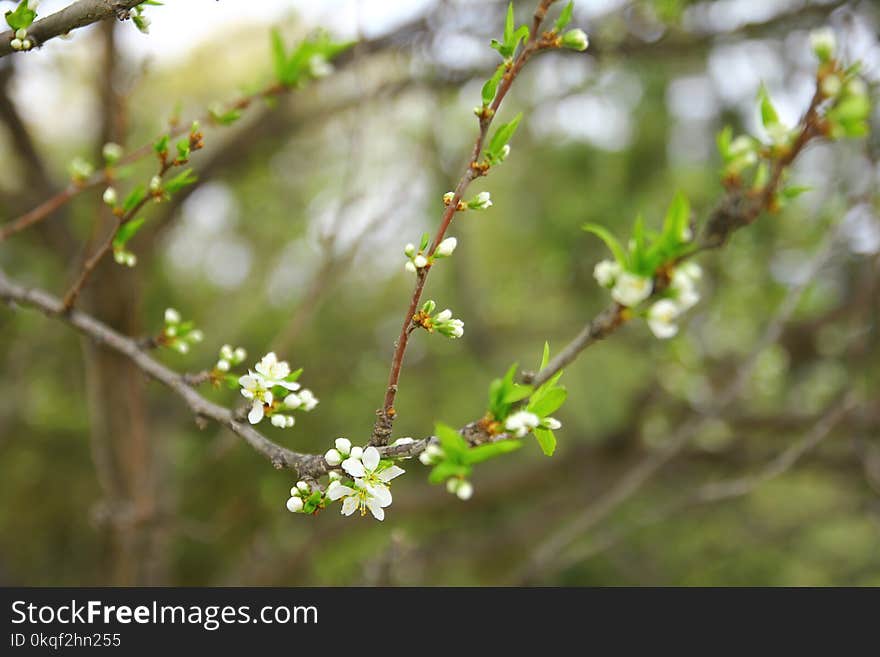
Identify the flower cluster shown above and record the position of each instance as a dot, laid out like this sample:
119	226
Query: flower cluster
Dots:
443	322
229	357
178	334
370	477
418	258
265	385
19	20
521	423
483	200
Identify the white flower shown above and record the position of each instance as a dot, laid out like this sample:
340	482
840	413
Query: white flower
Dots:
309	401
365	467
420	261
254	387
172	316
551	423
109	197
363	496
446	247
606	272
631	289
824	43
575	39
661	318
295	504
481	201
684	286
333	457
274	372
444	323
521	423
343	445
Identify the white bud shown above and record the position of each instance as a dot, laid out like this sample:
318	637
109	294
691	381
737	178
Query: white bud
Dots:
409	250
444	316
278	421
303	486
112	152
334	478
171	316
356	452
196	336
452	484
240	354
575	39
222	365
552	423
426	459
292	400
109	196
182	347
420	261
332	457
294	504
226	352
403	441
447	246
15	44
435	451
824	43
21	33
606	272
410	267
465	490
343	445
155	184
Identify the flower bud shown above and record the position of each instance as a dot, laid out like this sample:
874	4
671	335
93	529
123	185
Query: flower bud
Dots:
576	40
343	445
446	247
15	44
292	400
420	261
332	457
240	354
295	504
21	33
410	267
824	43
222	365
409	250
356	452
172	316
110	196
465	490
303	486
112	152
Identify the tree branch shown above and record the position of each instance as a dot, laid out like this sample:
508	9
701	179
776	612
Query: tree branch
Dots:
79	14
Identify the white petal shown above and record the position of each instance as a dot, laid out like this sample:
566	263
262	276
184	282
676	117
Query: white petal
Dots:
335	492
290	385
353	467
381	494
370	458
256	413
390	473
268	397
349	505
376	510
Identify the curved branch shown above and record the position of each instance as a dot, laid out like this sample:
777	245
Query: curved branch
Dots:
79	14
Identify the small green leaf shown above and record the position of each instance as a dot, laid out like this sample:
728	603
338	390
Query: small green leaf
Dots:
610	241
279	56
547	402
509	25
133	199
224	117
564	18
161	145
181	180
446	469
502	135
21	17
491	450
769	116
451	441
545	358
546	439
491	85
127	231
517	393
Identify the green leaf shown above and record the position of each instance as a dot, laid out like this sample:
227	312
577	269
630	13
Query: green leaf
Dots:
769	116
22	17
724	139
127	231
610	241
546	439
224	117
491	85
443	471
509	25
279	56
231	381
293	376
161	145
677	218
491	450
791	193
547	403
545	358
565	17
133	199
183	149
517	393
502	135
181	180
451	441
